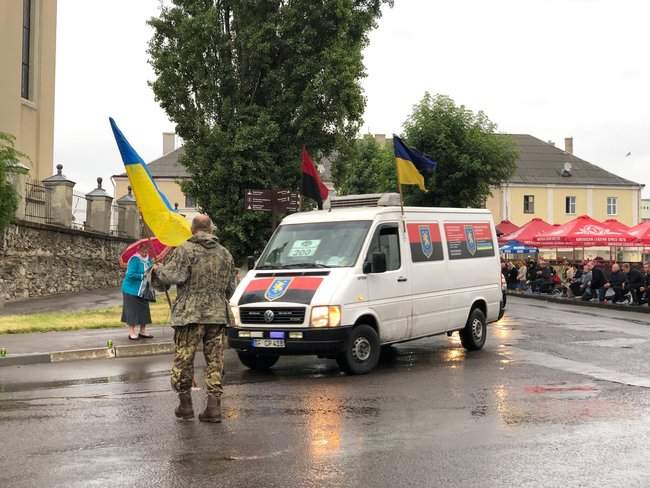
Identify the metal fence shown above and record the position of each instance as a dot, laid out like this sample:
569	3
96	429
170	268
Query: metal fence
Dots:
37	202
79	204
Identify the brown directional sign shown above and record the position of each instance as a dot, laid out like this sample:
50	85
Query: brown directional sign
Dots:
278	201
259	200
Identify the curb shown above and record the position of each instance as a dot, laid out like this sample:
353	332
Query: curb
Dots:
580	303
137	350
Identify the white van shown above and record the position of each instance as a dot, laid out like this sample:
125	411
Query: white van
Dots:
343	282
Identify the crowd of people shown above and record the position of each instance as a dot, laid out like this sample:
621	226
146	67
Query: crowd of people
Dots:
593	280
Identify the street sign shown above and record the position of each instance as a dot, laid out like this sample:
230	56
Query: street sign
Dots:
259	200
277	201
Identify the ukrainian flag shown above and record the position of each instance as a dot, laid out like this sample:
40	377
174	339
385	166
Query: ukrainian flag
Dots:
411	164
167	225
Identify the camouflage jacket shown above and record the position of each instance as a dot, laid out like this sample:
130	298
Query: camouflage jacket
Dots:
205	276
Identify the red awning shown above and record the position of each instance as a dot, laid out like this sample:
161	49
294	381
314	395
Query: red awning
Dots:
614	224
584	231
527	232
506	227
642	232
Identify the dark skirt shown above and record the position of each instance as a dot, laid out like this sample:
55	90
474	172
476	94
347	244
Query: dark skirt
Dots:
135	310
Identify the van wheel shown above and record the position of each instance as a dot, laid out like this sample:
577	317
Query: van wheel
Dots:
257	362
502	311
473	335
361	351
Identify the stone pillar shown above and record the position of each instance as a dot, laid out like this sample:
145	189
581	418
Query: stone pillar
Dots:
98	210
128	223
60	197
17	176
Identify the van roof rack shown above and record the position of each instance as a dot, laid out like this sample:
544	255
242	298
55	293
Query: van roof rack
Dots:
366	200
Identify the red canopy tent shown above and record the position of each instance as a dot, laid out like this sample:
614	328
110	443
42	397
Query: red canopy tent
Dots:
614	224
506	227
584	231
641	232
527	232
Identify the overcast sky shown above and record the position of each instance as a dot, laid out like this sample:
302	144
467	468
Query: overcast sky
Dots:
550	68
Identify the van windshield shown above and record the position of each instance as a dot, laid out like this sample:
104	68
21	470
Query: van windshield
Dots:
318	245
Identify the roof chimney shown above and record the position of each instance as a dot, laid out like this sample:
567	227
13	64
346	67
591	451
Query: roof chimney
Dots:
169	142
568	145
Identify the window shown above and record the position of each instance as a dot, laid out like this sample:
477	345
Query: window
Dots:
612	204
25	75
386	240
529	204
321	245
190	202
570	205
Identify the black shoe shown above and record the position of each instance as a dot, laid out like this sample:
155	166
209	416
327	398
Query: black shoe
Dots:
145	336
133	338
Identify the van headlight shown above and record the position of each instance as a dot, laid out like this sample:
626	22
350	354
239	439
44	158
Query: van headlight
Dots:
235	314
326	316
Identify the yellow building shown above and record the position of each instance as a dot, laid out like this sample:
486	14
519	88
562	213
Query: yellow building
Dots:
168	174
27	61
557	186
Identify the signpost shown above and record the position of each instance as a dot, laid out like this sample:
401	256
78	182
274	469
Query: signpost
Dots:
275	201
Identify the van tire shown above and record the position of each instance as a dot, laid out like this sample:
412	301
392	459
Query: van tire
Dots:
361	351
502	311
473	335
257	362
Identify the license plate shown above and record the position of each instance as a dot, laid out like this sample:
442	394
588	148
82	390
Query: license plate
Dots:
268	342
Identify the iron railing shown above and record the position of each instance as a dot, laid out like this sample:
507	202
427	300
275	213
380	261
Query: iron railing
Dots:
79	205
37	202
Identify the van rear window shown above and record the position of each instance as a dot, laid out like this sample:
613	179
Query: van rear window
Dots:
469	240
424	240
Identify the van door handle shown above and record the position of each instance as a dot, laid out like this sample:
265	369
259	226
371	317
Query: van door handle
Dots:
402	279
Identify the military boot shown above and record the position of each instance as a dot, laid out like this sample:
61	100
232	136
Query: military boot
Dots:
184	410
212	412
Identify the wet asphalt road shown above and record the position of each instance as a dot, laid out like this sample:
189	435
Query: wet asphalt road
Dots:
556	399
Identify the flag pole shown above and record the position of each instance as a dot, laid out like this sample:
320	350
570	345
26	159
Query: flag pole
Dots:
401	196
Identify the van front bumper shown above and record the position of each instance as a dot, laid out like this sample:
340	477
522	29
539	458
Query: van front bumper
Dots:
326	341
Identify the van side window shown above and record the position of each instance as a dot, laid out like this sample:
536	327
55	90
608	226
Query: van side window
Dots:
386	240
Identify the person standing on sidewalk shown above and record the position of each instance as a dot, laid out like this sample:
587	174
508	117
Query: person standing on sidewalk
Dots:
135	308
205	275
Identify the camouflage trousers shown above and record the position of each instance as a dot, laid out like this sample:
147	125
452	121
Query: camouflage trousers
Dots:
187	339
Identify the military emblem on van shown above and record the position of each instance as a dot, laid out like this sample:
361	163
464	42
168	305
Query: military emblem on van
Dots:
277	289
470	241
425	241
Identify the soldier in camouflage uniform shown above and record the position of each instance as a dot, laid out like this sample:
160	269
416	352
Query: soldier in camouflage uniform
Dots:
205	275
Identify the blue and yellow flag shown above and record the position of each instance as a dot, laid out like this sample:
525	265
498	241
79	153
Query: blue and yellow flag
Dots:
411	164
167	225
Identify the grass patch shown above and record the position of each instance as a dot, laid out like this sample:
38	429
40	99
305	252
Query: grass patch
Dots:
81	319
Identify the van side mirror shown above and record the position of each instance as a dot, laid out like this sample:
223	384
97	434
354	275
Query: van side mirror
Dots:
378	262
250	262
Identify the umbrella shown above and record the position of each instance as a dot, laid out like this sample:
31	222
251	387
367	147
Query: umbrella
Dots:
506	227
157	250
515	247
642	232
584	231
527	232
614	224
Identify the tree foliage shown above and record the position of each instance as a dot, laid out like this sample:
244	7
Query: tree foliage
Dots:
369	168
247	83
8	157
471	157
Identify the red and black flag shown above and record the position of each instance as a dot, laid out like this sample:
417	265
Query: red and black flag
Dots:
312	186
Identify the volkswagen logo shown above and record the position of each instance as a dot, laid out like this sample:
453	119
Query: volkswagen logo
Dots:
269	316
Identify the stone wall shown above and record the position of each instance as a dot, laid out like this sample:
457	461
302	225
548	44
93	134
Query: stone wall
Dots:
40	260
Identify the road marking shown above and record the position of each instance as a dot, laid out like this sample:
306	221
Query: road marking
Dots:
577	367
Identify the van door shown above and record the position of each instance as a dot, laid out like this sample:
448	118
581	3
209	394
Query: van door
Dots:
429	279
389	293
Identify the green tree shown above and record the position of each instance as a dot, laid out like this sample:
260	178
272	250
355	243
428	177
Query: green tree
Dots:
8	200
369	168
247	83
471	157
